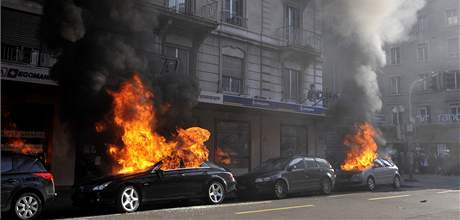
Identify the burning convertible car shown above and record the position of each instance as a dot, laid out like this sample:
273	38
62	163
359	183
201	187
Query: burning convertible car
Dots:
383	172
128	192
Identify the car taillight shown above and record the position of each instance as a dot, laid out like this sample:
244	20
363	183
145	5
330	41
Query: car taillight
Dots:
45	175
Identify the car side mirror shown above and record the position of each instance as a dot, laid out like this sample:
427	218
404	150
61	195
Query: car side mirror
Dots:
290	168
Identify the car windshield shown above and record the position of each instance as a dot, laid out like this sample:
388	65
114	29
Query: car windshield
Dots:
273	164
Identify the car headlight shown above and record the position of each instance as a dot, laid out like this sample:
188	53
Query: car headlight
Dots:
102	186
261	180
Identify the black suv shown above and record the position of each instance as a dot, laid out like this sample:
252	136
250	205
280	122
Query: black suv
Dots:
26	185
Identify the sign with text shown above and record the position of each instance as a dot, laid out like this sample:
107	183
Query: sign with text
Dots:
211	97
24	73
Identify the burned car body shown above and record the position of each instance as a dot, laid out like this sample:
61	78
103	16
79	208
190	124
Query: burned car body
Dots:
383	172
129	191
281	176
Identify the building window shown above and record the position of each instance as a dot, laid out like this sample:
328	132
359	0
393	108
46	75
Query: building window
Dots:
232	74
395	55
180	55
396	116
421	24
422	53
452	17
424	114
453	47
232	145
179	6
233	12
292	23
395	85
291	85
452	80
424	84
293	140
454	109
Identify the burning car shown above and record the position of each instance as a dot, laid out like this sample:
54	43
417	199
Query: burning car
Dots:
282	176
127	192
383	172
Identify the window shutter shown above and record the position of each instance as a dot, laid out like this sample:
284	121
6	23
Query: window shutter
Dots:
20	29
285	83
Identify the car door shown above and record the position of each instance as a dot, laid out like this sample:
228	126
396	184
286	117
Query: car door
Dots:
296	175
379	172
193	180
10	181
163	184
388	171
313	174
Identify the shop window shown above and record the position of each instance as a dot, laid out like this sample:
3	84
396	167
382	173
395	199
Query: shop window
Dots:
424	114
455	109
291	85
293	140
178	59
232	74
233	145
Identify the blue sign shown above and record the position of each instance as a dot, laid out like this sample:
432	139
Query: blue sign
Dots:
272	105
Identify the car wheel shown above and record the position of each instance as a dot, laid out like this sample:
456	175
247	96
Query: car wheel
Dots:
27	206
396	182
280	189
326	186
371	183
129	199
216	192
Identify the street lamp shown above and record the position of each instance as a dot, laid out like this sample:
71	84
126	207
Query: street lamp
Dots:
411	126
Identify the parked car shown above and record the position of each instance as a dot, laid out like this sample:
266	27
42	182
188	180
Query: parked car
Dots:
26	185
129	191
282	176
383	172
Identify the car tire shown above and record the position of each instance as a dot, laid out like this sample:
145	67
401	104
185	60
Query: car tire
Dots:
280	189
26	206
326	186
396	182
371	184
128	199
215	192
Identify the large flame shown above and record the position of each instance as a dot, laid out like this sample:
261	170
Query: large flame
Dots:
134	113
20	146
362	149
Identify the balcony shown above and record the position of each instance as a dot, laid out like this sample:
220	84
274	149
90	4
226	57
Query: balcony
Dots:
299	39
233	18
27	56
185	17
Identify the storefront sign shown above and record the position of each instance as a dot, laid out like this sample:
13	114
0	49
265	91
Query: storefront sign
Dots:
211	97
22	73
449	118
272	105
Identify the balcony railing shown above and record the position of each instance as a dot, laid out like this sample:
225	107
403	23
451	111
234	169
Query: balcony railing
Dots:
186	7
295	37
234	18
27	55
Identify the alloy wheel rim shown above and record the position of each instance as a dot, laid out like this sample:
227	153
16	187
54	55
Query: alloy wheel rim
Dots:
216	192
26	207
371	183
130	199
279	189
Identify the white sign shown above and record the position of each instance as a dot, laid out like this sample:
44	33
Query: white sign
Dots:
211	97
24	73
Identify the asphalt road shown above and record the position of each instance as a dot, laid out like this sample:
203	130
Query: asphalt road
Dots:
406	203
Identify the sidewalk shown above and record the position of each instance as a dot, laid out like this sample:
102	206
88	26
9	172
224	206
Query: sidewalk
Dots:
432	181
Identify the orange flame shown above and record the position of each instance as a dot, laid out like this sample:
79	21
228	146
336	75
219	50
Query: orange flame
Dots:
362	149
19	146
143	147
223	157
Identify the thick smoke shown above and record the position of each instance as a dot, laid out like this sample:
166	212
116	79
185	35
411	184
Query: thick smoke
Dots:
101	44
362	28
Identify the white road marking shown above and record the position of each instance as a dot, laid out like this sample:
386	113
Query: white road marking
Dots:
273	209
449	191
388	197
340	195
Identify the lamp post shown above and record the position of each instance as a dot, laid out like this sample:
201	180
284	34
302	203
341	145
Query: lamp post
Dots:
412	127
